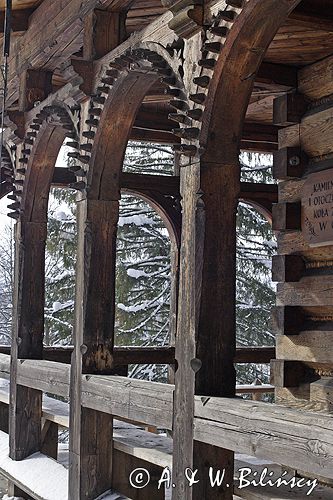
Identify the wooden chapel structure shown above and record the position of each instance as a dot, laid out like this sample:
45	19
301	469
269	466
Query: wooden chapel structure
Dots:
212	78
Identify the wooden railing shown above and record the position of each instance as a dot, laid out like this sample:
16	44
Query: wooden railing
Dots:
152	355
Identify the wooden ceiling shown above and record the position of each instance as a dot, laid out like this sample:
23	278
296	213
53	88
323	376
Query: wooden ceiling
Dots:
306	37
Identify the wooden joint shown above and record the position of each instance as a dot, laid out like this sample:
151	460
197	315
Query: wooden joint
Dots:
18	119
188	17
288	268
85	69
289	163
19	20
289	109
286	216
35	86
288	373
288	320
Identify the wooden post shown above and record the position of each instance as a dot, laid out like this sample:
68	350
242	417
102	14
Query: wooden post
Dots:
28	327
206	338
91	431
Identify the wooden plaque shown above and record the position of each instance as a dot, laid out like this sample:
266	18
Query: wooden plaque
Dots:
317	209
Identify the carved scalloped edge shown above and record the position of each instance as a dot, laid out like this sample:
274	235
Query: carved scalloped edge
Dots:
58	114
212	47
145	57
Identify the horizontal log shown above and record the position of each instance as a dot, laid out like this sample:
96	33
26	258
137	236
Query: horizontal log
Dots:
309	291
254	354
313	134
315	81
138	400
277	76
298	439
311	346
151	355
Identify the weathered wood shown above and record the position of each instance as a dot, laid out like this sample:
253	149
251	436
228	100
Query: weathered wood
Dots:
49	439
287	373
289	268
94	326
312	134
28	330
309	291
299	439
35	85
124	465
287	320
288	109
289	163
314	346
103	31
286	216
19	21
315	81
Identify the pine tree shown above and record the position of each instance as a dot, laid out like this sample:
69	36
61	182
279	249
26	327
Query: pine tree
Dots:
60	268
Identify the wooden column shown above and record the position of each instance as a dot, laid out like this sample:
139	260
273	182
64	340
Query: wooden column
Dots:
27	342
91	431
205	344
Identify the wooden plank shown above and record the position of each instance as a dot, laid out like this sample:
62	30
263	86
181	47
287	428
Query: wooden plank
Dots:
310	346
298	439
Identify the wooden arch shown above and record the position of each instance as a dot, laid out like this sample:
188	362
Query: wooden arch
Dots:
231	85
38	155
33	176
119	93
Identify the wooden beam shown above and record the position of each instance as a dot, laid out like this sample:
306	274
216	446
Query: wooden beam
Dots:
151	355
314	17
311	134
315	81
28	313
103	31
35	85
297	438
91	436
19	20
277	76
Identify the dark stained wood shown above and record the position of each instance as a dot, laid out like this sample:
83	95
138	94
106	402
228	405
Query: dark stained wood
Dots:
289	163
287	320
35	85
286	216
287	268
289	109
288	373
19	21
103	31
49	438
25	403
124	465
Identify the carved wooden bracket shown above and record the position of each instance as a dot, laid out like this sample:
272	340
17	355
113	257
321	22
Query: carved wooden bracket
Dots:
188	16
85	69
17	118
